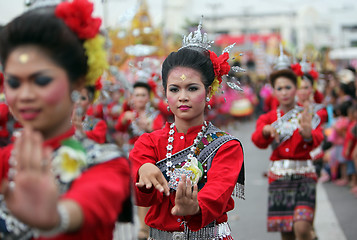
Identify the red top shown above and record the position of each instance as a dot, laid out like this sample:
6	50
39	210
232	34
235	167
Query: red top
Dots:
99	132
295	147
318	96
270	103
323	115
4	117
350	141
96	111
157	124
214	198
100	191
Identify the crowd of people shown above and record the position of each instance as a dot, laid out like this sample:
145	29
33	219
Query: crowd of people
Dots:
80	150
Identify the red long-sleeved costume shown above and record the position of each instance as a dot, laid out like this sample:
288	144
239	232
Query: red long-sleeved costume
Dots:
214	198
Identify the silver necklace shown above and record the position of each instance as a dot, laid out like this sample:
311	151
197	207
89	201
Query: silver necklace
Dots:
171	171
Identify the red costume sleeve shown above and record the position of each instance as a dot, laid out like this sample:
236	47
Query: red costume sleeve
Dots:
158	123
119	126
99	132
100	191
323	115
257	137
162	107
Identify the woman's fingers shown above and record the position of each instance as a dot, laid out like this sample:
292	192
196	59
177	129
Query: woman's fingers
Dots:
35	161
46	159
165	185
180	190
151	176
188	188
195	192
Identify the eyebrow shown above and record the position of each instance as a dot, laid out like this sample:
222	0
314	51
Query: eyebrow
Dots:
188	85
34	75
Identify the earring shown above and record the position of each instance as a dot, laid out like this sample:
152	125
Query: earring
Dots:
75	96
168	108
207	100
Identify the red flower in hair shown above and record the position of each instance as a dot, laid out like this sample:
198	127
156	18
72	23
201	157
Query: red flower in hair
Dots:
78	17
153	86
220	65
314	74
98	84
297	69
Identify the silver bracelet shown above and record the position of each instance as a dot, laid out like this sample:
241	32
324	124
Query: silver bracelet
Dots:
62	226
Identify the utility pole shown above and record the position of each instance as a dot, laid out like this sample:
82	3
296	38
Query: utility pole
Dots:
105	13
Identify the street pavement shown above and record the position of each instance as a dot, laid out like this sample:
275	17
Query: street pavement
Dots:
336	213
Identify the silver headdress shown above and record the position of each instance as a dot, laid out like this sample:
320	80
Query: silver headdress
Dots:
32	4
197	39
283	61
305	66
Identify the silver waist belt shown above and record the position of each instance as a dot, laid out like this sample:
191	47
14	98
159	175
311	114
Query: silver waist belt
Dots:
215	232
290	167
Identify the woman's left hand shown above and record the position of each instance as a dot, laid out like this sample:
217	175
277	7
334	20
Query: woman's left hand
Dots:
305	123
31	193
186	202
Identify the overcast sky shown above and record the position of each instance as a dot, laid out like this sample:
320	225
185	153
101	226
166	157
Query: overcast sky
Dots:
119	10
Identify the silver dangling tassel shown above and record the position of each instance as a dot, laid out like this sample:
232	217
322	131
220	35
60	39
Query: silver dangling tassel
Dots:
209	107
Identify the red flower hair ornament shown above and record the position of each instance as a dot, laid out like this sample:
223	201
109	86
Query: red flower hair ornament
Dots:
98	84
220	65
314	74
78	16
297	69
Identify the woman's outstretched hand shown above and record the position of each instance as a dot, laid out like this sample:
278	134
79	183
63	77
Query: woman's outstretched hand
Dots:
186	202
151	176
270	132
31	193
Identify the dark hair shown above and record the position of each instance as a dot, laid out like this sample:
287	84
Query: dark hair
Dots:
90	91
307	76
348	89
143	85
287	73
40	27
191	58
342	108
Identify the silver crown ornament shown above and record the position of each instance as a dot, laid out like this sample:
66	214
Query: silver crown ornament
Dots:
197	39
283	61
305	66
33	4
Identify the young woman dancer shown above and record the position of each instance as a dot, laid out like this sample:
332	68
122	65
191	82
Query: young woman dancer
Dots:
188	170
94	128
292	131
56	185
